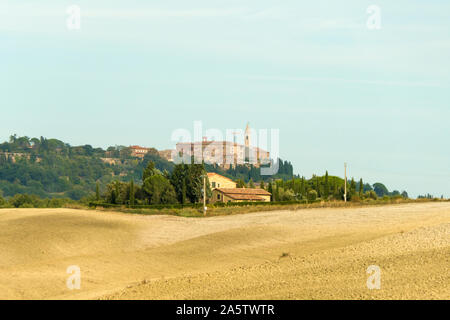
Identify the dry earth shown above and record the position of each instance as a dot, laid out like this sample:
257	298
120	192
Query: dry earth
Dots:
305	254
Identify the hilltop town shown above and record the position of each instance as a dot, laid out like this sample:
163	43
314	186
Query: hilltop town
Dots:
50	168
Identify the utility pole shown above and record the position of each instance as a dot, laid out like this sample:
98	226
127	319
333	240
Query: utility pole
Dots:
345	182
204	195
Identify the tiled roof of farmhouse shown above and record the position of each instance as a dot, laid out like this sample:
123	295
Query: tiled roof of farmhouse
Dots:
244	191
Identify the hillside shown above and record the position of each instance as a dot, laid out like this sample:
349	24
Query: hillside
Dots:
51	168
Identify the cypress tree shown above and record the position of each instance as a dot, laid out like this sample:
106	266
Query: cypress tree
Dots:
326	190
97	192
302	187
361	187
352	186
132	192
277	193
270	190
280	166
318	187
183	192
116	192
113	196
261	185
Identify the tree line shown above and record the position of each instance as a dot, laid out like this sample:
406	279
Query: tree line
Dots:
183	185
54	169
324	187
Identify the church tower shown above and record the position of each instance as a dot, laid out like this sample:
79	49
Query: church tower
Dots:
247	143
247	136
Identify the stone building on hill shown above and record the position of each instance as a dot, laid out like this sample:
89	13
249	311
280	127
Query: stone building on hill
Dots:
224	153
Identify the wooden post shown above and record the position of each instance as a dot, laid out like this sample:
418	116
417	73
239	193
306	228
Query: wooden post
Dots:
204	195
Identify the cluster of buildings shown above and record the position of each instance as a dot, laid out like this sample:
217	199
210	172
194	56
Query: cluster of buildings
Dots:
225	154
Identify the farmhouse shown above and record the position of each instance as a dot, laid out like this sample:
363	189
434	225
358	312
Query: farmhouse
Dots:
138	151
239	195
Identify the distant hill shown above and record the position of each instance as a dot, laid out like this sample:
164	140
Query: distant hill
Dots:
54	169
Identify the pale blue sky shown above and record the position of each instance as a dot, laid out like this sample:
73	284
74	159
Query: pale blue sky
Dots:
137	70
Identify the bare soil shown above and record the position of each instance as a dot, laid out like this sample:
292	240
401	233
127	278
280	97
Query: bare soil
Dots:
304	254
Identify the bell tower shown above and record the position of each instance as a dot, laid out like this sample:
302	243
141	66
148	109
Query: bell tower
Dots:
247	143
247	135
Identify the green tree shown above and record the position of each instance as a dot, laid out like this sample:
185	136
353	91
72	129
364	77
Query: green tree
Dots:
312	195
97	192
380	189
361	188
251	184
132	198
117	192
159	190
336	192
303	188
371	195
178	179
276	192
270	190
240	183
326	191
352	187
183	198
285	194
194	183
149	171
113	198
261	185
25	201
319	192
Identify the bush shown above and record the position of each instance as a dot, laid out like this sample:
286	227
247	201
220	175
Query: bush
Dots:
285	195
312	195
371	195
27	205
24	201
